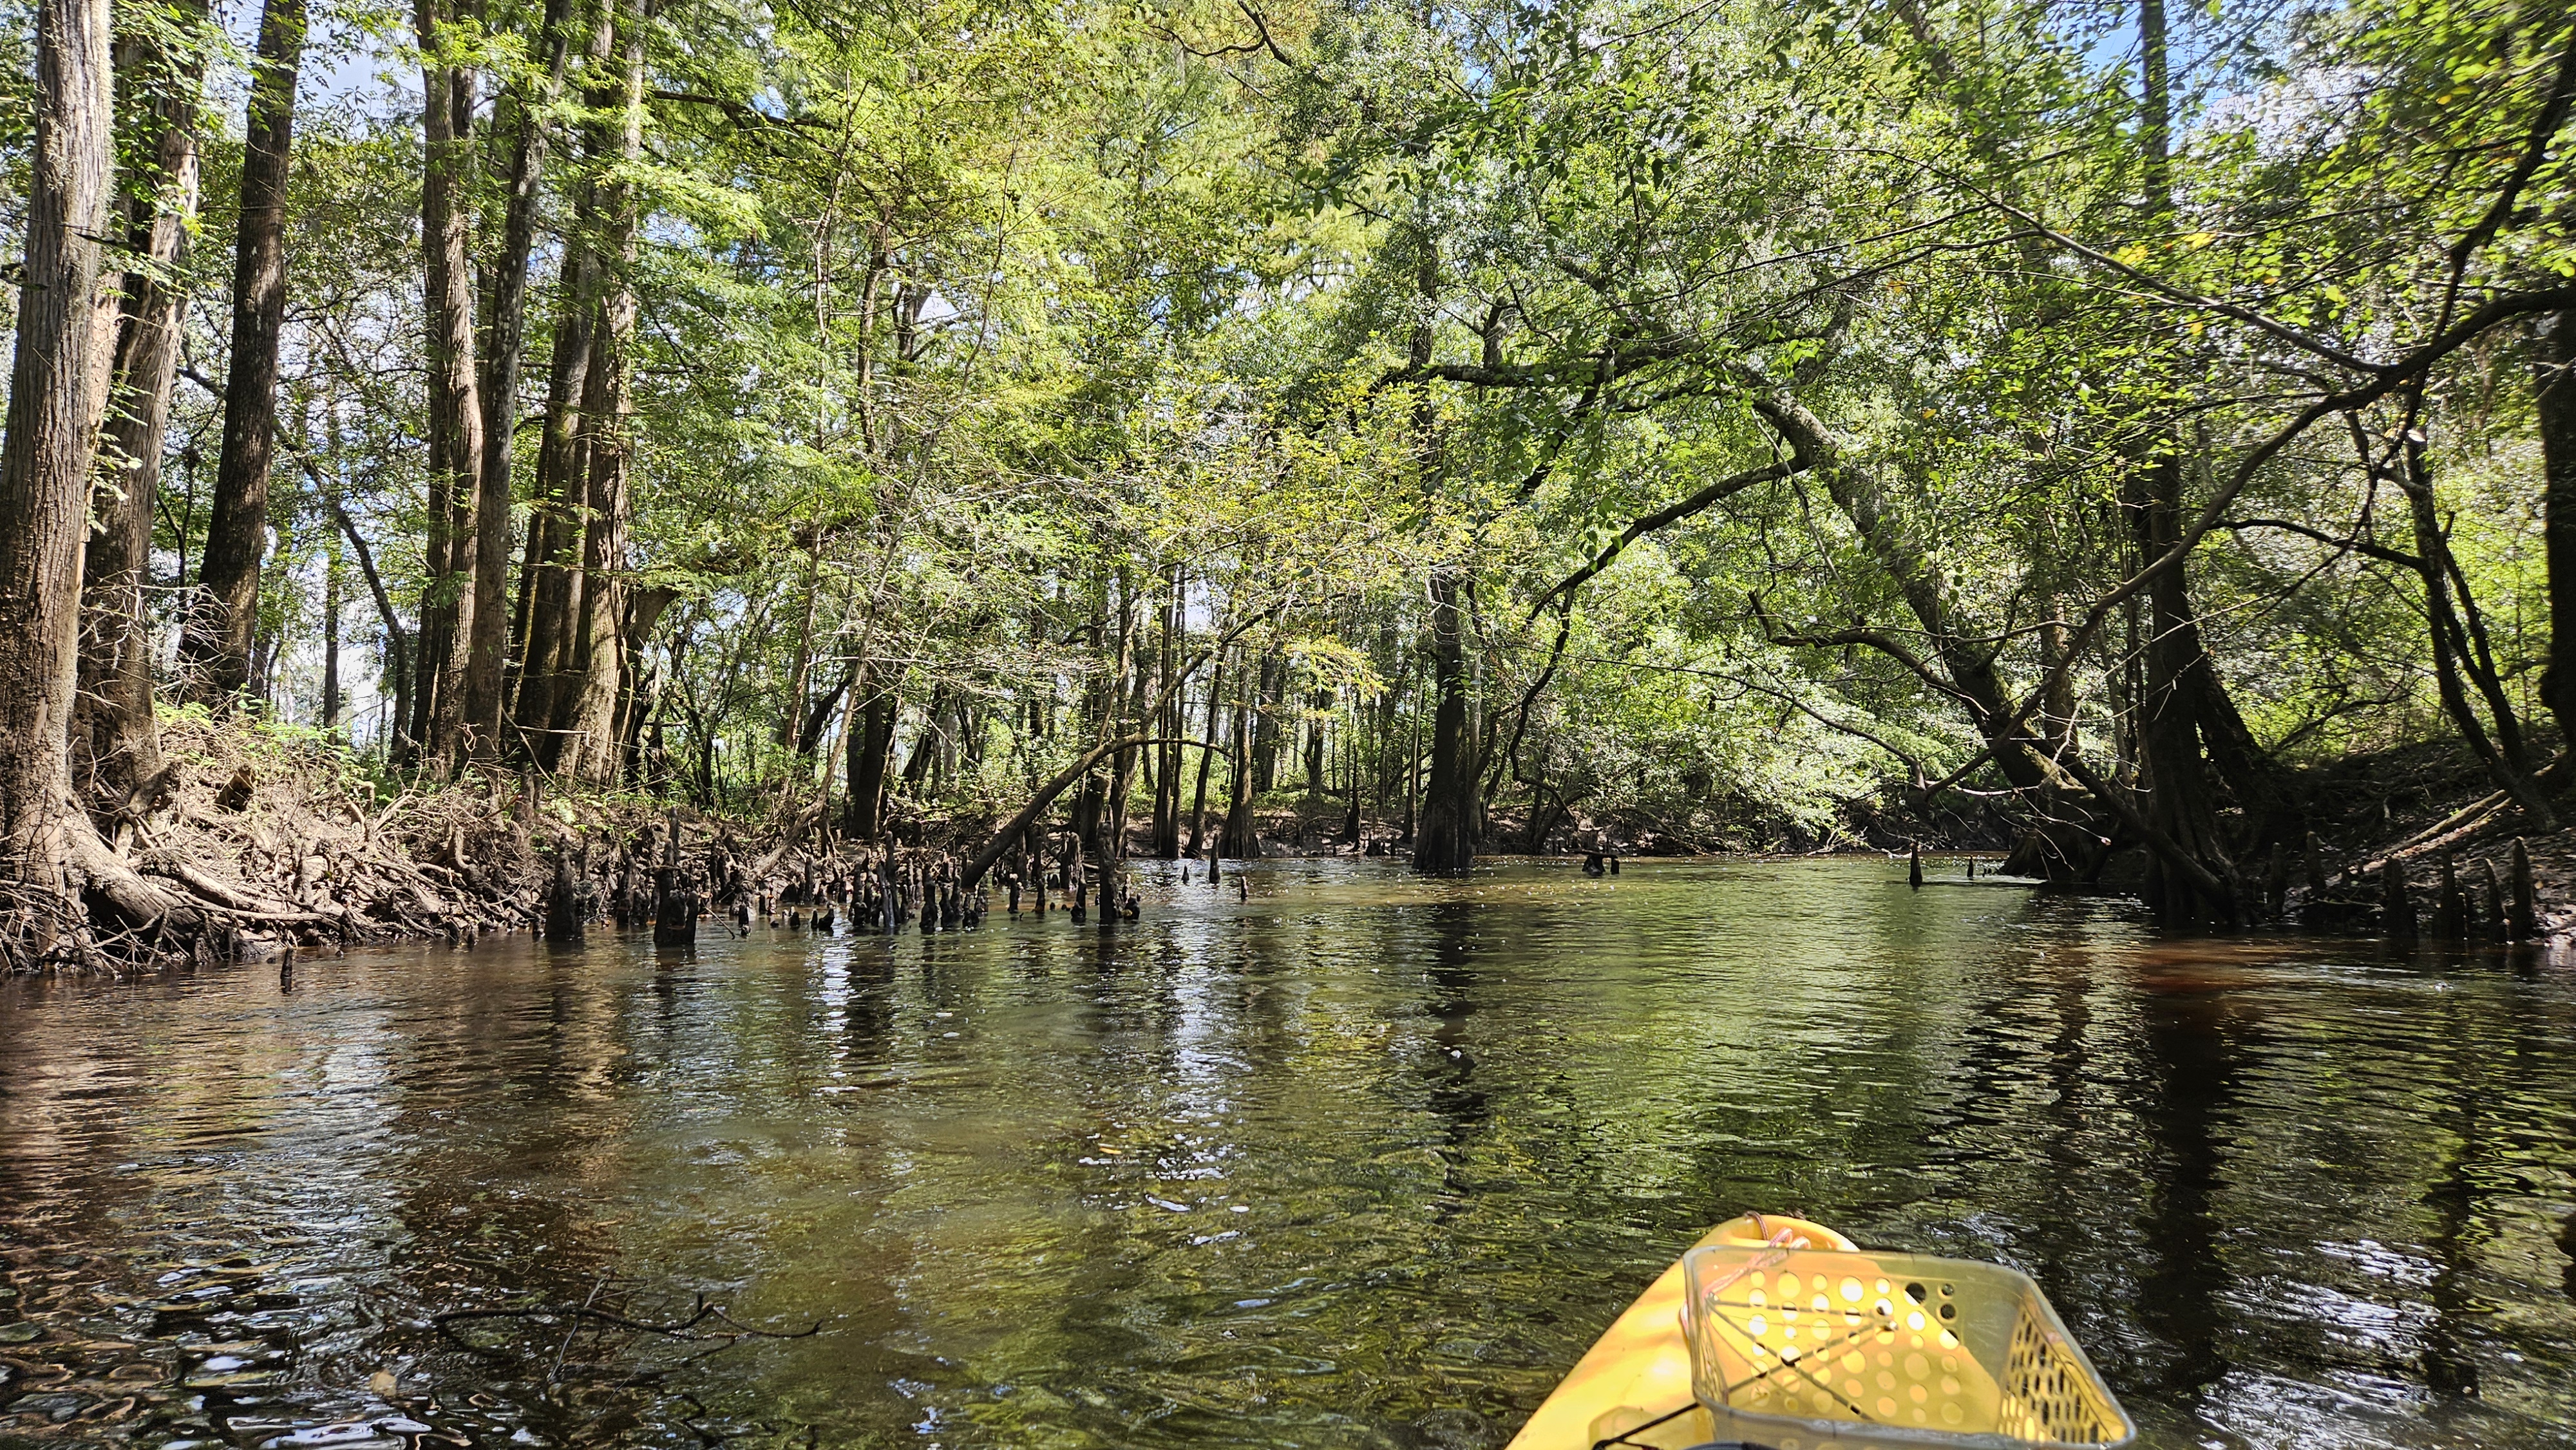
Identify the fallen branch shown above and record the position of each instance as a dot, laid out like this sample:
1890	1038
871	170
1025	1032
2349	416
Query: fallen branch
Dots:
584	1313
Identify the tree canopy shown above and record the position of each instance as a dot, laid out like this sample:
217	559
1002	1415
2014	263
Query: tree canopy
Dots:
1730	422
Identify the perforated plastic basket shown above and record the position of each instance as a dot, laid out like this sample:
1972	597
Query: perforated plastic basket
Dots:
1813	1349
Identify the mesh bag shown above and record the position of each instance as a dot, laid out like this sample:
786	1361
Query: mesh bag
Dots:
1812	1349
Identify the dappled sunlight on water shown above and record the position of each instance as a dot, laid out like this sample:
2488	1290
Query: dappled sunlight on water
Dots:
1358	1161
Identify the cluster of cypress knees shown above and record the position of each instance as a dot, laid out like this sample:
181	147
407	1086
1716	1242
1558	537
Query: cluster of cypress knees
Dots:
879	892
882	891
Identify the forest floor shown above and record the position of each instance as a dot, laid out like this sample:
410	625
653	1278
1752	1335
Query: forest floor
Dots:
297	847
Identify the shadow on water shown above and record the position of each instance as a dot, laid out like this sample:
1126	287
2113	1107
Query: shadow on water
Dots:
2188	1035
1357	1160
1452	975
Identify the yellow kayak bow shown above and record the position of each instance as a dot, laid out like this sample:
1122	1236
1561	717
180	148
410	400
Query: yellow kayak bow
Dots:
1781	1333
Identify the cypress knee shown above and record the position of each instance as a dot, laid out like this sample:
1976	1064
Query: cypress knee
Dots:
1914	868
2522	917
675	914
2449	921
2396	908
563	904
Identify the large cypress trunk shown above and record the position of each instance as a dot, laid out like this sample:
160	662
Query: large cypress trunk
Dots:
2554	396
552	575
869	747
504	337
1445	834
587	716
2177	797
455	415
217	641
115	735
588	734
57	391
1444	838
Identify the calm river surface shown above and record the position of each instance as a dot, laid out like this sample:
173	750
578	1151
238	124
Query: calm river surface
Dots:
1361	1161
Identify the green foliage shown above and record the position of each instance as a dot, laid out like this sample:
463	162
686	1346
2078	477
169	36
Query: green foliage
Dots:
969	325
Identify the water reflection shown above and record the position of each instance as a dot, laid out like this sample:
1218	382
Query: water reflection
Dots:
1357	1160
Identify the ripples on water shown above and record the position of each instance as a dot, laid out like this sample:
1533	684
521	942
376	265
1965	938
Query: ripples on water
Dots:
1362	1161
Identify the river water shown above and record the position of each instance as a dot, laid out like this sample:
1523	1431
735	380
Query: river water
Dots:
1360	1160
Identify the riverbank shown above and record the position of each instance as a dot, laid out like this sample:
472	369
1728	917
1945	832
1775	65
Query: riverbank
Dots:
280	839
286	842
2420	807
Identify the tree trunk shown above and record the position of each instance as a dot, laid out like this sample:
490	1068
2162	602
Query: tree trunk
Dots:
2178	798
1017	826
868	748
2057	710
1265	727
551	573
505	329
1412	772
397	668
639	692
57	393
551	568
1198	793
115	732
1444	839
916	764
588	751
1240	842
331	640
818	717
2453	655
606	402
455	413
1167	761
1316	705
2554	399
217	641
789	728
1351	774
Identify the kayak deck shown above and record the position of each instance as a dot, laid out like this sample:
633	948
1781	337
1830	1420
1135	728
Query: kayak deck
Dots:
1635	1381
